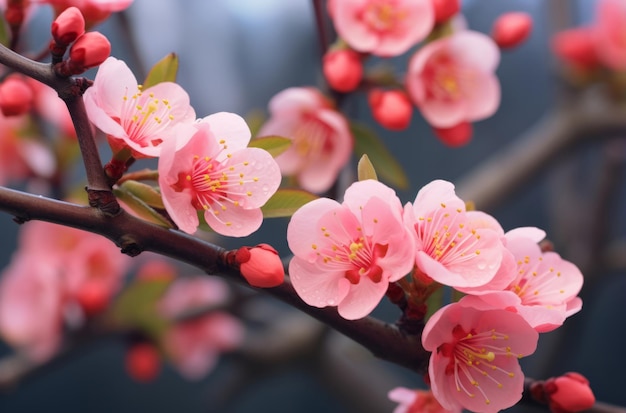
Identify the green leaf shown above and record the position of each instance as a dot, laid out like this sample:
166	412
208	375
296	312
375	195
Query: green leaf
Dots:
141	208
365	169
275	145
136	307
255	119
147	193
389	169
164	70
285	202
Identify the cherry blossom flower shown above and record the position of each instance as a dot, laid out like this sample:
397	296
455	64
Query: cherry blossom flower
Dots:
140	120
216	173
322	142
454	247
417	401
383	27
452	80
31	306
195	344
545	286
346	254
474	361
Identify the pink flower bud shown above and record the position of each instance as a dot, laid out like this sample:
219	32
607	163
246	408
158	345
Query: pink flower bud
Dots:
260	266
16	97
143	362
89	50
511	29
342	69
445	9
569	393
93	297
577	47
392	109
68	26
455	136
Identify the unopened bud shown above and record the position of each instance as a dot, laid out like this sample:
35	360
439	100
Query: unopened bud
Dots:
512	29
577	47
89	50
68	26
93	297
143	362
445	9
16	96
260	266
343	69
569	393
392	109
455	136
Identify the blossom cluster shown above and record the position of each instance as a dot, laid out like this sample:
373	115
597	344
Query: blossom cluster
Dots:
346	255
205	165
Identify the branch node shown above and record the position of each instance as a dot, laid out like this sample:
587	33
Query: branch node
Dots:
104	200
129	246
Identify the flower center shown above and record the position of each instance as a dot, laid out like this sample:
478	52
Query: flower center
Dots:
474	359
312	140
143	116
382	15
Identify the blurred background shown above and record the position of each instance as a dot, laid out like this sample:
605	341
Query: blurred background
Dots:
234	56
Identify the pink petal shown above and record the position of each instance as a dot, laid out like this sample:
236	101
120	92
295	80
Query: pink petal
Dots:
359	193
235	222
433	194
317	288
303	226
230	128
258	173
362	299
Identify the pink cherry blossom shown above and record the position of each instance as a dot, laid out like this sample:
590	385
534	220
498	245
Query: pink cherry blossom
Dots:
452	79
138	119
454	247
417	401
346	254
31	306
216	173
474	361
383	27
322	142
545	286
610	33
195	344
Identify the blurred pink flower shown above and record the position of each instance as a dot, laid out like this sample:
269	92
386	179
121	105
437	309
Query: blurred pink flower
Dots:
31	306
346	254
454	247
95	11
195	344
417	401
452	79
135	118
610	33
383	27
474	361
545	286
322	142
217	173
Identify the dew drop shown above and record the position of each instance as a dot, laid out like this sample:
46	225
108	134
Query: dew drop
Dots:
330	302
265	189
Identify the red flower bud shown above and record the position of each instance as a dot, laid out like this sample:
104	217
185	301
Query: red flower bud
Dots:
342	69
511	29
89	50
68	26
455	136
569	393
16	96
260	266
392	109
93	297
445	9
143	362
576	47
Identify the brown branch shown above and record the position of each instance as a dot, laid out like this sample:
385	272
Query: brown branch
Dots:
584	117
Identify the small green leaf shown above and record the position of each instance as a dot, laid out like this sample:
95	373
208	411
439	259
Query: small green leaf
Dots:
142	209
365	169
255	119
164	70
275	145
389	169
285	202
136	307
147	193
